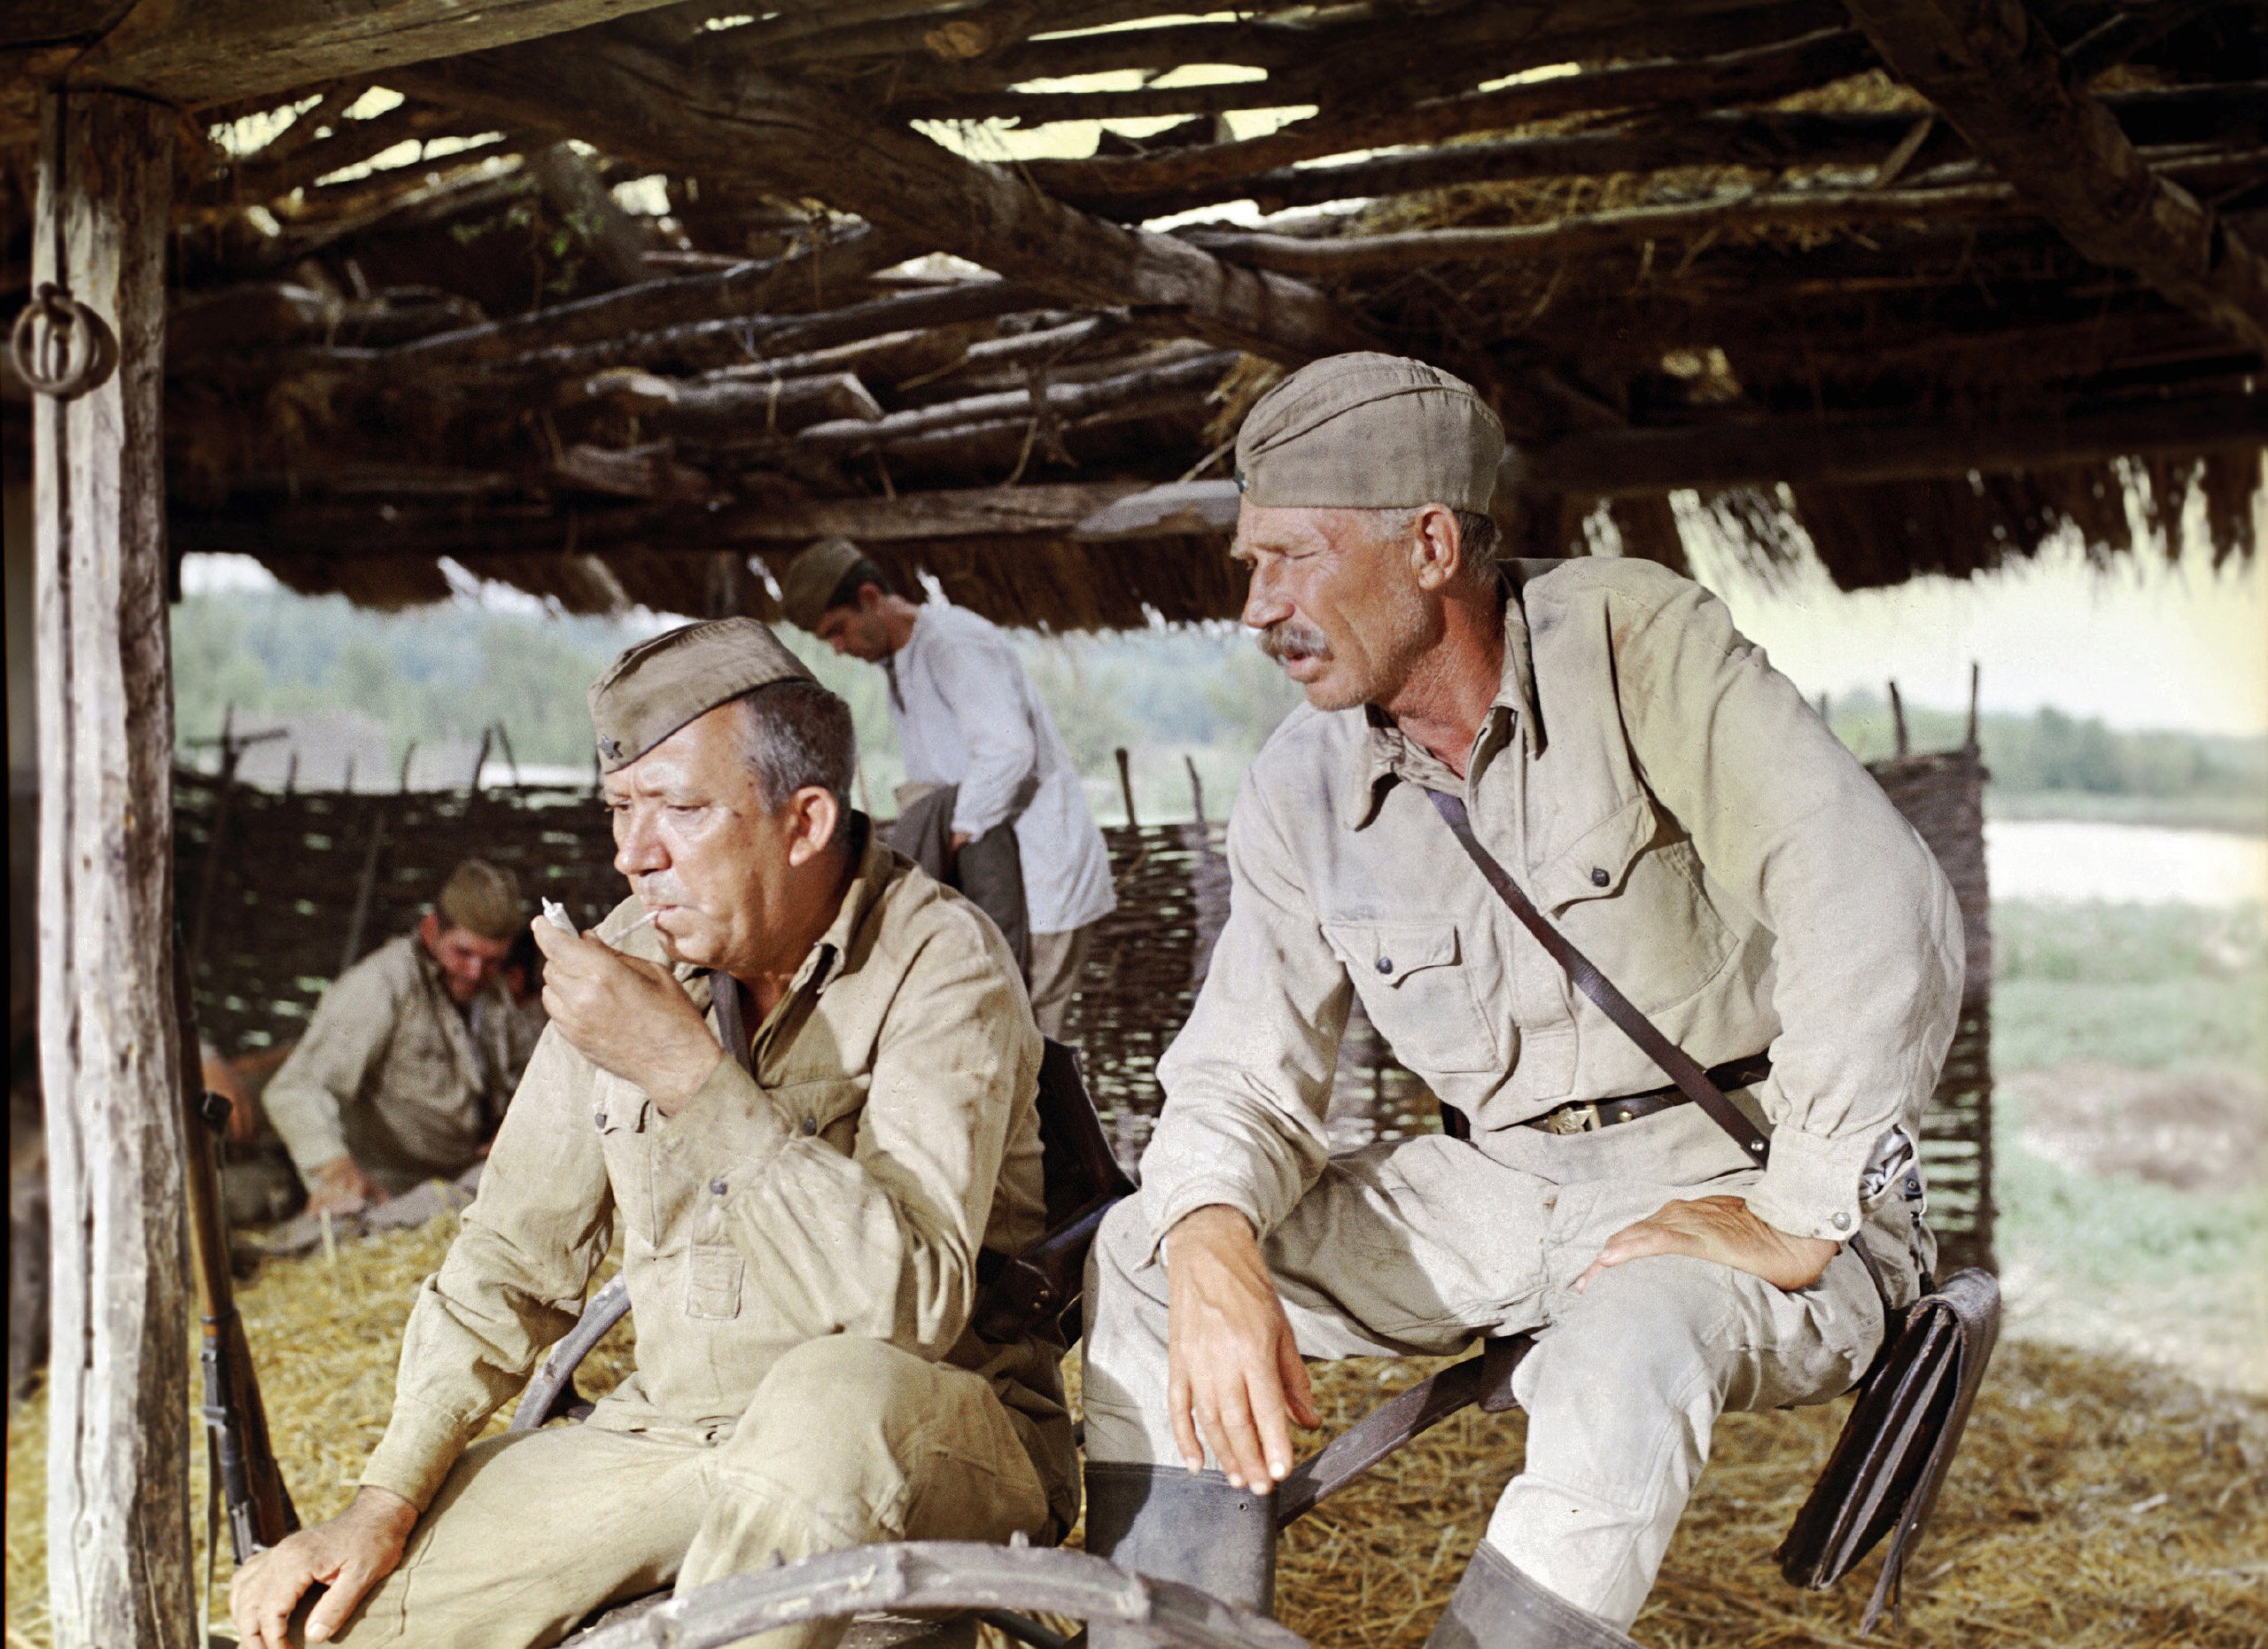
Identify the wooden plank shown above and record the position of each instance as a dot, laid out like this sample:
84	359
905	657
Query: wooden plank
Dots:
1171	511
973	512
1992	70
117	1445
198	51
684	115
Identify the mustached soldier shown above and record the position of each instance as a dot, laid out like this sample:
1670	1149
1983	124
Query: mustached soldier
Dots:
1687	821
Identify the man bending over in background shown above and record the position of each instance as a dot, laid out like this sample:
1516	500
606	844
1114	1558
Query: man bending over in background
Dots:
805	1096
412	1054
967	716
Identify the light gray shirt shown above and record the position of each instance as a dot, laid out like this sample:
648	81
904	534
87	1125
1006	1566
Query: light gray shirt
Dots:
967	714
1671	803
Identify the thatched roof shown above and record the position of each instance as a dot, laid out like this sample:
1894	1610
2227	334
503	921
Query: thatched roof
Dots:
1923	285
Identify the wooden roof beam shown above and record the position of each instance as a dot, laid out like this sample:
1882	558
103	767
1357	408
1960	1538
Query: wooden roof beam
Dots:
678	113
200	52
1799	209
1993	72
1803	450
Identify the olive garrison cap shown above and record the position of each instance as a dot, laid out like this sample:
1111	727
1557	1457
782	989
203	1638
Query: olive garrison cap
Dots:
656	687
814	577
1371	432
483	898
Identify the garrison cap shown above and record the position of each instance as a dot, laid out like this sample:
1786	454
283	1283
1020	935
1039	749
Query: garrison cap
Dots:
483	898
1371	432
813	578
656	687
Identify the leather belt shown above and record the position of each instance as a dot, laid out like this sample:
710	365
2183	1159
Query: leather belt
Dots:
1590	1116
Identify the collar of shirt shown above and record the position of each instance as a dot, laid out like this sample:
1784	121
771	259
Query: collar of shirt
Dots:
824	961
1388	754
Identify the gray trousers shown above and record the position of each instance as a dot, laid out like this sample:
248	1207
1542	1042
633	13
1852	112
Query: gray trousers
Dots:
1416	1247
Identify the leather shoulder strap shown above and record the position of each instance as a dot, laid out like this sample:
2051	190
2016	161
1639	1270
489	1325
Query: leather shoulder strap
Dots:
1675	1061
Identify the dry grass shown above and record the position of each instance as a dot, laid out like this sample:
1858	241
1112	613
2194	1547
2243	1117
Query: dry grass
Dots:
2097	1503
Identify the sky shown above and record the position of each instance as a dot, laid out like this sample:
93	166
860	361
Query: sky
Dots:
2141	644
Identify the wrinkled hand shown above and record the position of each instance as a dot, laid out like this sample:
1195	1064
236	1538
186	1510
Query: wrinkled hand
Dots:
627	1016
1234	1368
348	1555
341	1187
1719	1229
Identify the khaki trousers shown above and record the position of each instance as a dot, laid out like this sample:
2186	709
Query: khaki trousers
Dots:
1056	962
847	1442
1418	1247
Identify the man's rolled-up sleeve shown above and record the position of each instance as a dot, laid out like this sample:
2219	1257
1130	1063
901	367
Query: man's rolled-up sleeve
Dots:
881	1242
346	1039
1247	1081
1867	940
514	1280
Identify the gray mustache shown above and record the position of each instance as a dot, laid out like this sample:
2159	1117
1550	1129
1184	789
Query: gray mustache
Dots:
1291	640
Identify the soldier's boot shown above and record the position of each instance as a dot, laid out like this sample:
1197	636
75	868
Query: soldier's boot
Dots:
1496	1606
1166	1521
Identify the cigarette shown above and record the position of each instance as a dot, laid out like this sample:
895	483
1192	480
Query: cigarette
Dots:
641	921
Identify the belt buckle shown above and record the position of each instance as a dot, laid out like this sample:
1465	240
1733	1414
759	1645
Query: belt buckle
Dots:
1581	1117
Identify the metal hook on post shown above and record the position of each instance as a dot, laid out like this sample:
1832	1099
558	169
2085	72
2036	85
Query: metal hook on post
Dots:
60	347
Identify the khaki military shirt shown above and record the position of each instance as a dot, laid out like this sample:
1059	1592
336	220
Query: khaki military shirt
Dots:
1672	804
394	1074
887	1135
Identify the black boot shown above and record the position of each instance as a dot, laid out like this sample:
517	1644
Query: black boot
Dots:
1168	1522
1495	1606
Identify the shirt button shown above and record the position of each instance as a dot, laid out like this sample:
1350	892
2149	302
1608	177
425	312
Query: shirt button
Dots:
1842	1222
1599	878
1386	964
716	1187
811	1125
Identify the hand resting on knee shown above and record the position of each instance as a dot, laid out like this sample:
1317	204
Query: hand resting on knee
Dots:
1721	1229
1234	1371
348	1555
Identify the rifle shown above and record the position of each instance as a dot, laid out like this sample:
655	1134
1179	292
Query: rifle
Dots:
244	1477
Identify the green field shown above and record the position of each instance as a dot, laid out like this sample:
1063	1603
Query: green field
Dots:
2130	1044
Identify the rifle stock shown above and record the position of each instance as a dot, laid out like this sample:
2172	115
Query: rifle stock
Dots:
238	1453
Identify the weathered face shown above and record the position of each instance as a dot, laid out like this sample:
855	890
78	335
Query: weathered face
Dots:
701	850
467	960
1336	601
861	631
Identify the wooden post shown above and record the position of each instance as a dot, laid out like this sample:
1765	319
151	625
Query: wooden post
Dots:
117	1552
1126	786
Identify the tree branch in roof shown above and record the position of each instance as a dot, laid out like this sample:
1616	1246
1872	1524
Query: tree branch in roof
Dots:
1129	185
1992	70
201	53
632	101
1798	209
1773	139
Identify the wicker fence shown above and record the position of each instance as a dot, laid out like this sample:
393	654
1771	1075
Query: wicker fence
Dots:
302	883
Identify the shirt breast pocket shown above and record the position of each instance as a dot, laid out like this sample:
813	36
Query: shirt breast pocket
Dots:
1417	985
712	1280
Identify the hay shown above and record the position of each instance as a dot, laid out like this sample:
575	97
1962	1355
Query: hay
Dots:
2097	1503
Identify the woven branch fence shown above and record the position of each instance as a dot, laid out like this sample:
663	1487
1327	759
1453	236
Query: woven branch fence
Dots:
302	883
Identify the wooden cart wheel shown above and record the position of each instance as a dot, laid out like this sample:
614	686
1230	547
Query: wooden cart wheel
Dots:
1004	1585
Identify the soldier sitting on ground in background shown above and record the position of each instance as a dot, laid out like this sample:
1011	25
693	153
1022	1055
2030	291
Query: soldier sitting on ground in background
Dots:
803	1087
411	1055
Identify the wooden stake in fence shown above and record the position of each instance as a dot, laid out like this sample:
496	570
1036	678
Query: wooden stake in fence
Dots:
118	1561
1126	786
1897	720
